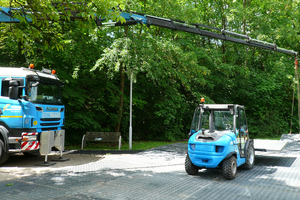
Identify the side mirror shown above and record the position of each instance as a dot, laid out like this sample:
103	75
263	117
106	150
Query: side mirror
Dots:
13	91
13	83
35	84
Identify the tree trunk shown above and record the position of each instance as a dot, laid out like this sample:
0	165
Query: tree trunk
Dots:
244	30
120	112
122	80
224	27
22	58
224	42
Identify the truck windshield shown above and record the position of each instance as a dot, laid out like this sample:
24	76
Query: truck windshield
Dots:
44	93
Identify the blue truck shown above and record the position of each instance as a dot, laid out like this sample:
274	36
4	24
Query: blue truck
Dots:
31	112
219	138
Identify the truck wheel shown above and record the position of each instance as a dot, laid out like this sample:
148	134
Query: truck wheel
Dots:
229	168
3	155
250	157
190	168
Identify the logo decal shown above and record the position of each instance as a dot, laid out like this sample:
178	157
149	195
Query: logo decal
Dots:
6	106
51	109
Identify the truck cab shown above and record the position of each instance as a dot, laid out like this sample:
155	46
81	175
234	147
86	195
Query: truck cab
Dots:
30	106
219	138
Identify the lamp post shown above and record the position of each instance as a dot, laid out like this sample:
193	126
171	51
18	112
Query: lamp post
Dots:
130	121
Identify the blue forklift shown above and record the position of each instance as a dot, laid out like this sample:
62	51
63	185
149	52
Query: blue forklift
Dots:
219	139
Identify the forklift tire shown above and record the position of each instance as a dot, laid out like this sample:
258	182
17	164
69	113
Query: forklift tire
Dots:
229	168
250	157
190	168
3	155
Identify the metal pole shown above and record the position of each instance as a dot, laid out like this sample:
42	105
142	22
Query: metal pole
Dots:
130	125
298	92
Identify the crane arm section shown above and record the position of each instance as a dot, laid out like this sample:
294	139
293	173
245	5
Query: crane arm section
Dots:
225	35
6	15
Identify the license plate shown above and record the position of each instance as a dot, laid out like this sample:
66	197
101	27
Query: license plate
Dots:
51	115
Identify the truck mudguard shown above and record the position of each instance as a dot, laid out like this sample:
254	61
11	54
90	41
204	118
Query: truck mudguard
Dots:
3	134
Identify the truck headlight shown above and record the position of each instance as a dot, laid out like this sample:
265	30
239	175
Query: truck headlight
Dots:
29	138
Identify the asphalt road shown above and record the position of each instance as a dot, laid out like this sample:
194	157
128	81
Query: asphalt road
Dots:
159	174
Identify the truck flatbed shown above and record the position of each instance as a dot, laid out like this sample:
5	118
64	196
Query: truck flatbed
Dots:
278	145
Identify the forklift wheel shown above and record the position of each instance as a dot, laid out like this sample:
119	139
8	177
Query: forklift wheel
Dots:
250	157
229	168
190	168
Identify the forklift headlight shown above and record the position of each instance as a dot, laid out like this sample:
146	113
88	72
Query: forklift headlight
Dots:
219	149
193	146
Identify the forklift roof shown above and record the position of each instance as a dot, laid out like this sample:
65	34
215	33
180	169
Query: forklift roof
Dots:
217	106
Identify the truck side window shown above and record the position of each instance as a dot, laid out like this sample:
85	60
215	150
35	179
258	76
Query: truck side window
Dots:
4	88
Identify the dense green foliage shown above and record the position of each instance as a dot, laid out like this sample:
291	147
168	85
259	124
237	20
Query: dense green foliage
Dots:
172	70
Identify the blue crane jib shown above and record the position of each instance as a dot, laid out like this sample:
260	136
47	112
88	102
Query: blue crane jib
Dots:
132	18
6	15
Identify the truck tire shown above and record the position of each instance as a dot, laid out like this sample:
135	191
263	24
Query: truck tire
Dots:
229	168
3	155
190	168
250	157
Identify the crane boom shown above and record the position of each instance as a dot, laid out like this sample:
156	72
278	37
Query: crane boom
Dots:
6	15
194	28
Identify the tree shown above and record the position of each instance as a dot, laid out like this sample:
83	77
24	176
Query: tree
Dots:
45	22
172	69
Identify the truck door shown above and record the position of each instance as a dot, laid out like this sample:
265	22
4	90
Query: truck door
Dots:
5	85
242	130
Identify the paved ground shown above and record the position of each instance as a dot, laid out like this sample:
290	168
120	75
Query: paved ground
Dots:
156	174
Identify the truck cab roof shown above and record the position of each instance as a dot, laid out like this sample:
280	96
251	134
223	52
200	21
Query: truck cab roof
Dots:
24	72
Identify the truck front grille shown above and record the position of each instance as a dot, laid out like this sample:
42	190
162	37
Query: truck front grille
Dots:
48	129
50	124
50	119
